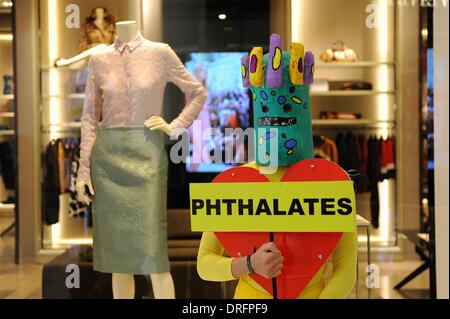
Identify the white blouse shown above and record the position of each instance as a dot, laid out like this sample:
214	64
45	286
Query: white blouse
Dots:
125	86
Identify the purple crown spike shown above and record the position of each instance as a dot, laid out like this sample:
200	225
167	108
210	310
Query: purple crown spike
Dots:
309	68
244	71
275	63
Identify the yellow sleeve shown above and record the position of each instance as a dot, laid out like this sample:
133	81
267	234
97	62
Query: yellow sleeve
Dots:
211	264
343	278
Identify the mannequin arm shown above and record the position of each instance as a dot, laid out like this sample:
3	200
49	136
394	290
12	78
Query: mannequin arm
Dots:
193	90
82	56
89	122
83	195
158	123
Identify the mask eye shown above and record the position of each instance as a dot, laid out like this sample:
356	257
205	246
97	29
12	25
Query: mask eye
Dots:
265	108
287	108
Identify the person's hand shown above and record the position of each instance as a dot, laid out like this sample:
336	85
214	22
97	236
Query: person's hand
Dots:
157	123
267	261
82	194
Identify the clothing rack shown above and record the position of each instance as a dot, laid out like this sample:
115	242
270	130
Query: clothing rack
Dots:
7	132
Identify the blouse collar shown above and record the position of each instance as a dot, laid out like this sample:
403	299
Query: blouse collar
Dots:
120	46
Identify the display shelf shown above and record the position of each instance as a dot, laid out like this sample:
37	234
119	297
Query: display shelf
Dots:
7	97
7	208
353	123
72	96
5	10
62	126
7	132
6	37
350	93
7	114
356	64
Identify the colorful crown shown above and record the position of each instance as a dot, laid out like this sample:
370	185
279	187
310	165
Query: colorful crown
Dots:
281	103
300	66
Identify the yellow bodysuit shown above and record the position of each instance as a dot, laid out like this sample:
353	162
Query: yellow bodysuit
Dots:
334	280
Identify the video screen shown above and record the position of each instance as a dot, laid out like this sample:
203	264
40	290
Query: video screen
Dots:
227	107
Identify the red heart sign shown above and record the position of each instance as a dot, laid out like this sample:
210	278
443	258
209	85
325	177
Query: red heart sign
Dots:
304	253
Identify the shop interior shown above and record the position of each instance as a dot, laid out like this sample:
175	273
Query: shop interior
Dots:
373	87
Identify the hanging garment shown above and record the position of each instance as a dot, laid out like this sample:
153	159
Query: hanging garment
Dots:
50	184
373	174
350	140
363	183
342	151
347	150
391	158
7	164
62	158
129	175
331	149
76	208
319	142
71	150
325	148
387	159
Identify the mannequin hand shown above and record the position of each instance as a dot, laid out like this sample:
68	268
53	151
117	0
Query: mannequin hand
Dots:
157	123
60	62
267	261
82	194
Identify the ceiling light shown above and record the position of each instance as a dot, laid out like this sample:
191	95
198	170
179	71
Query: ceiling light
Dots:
8	4
222	16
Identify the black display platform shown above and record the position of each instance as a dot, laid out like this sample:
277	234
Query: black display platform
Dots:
96	285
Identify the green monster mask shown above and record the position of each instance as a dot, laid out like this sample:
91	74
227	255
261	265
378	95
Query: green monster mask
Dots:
279	82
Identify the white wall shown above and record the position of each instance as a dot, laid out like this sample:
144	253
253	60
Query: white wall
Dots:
152	24
441	149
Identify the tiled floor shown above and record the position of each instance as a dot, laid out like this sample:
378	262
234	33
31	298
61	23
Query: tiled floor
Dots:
24	281
17	282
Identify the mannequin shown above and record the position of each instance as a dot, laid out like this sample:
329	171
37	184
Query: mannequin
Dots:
127	30
98	28
98	32
82	57
123	283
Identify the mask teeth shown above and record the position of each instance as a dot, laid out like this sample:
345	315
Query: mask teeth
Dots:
256	67
309	68
244	71
275	63
296	65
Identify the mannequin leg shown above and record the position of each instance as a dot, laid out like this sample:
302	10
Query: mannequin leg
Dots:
123	286
163	287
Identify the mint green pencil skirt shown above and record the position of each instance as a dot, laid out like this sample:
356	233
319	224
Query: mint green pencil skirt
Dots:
129	175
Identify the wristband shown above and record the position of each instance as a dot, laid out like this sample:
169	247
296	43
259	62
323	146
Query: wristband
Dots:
249	265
